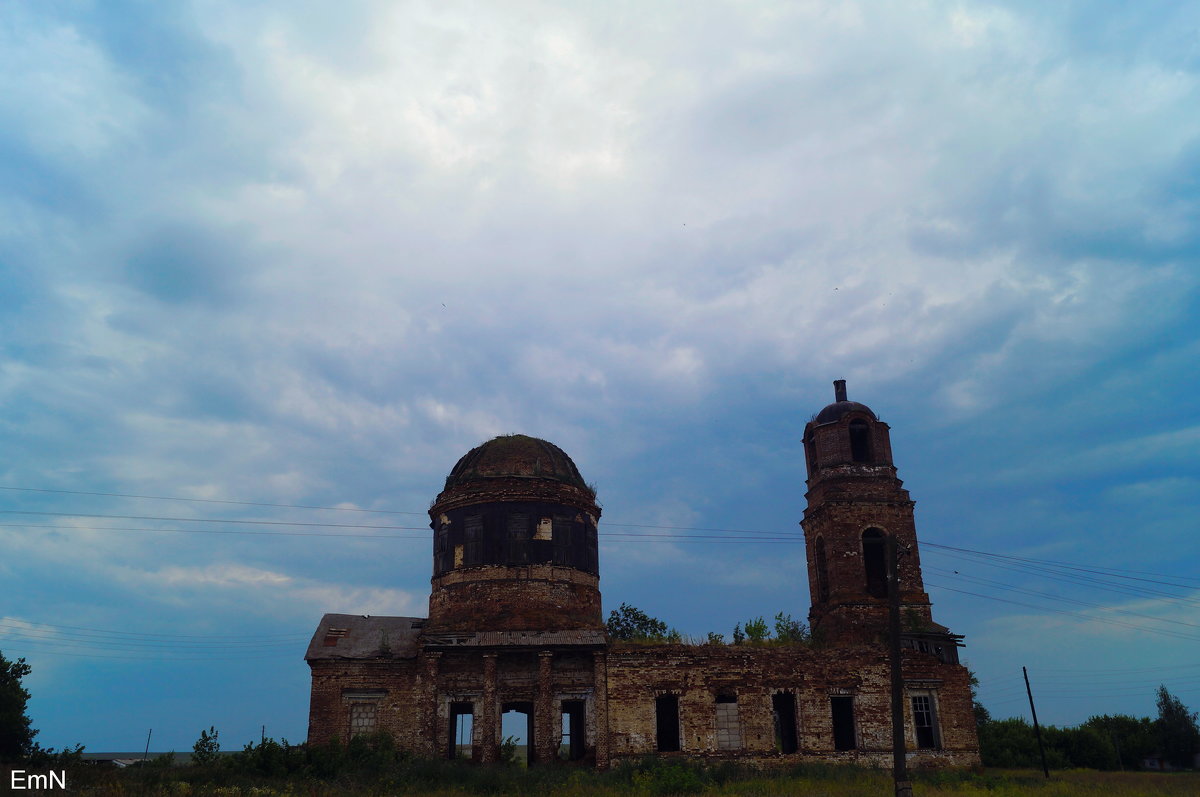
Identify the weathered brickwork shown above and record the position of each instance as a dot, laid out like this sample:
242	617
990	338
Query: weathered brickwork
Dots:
515	624
515	598
700	675
389	684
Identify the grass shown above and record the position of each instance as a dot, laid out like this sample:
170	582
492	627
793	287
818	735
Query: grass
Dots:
649	778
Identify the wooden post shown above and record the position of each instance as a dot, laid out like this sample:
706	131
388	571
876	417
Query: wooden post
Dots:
899	763
1036	730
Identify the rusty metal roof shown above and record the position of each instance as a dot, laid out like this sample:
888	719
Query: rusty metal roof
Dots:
359	636
836	410
515	456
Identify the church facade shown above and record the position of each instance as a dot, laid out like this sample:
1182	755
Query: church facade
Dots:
515	624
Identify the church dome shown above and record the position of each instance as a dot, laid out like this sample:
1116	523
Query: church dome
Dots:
834	412
516	456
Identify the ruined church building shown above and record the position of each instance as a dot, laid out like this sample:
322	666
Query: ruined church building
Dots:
515	624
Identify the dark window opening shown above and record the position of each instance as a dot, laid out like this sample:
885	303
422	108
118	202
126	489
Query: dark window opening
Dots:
572	746
666	719
923	719
593	565
783	708
873	561
473	554
843	722
441	549
562	542
462	728
860	441
516	723
518	538
822	568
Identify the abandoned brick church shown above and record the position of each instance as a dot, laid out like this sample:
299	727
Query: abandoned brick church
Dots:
515	623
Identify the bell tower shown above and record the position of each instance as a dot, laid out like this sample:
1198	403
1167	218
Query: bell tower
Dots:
855	501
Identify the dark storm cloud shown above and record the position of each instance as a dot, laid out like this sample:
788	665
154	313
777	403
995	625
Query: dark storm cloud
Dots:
183	263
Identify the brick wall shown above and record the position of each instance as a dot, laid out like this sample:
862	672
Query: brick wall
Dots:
515	598
699	674
335	684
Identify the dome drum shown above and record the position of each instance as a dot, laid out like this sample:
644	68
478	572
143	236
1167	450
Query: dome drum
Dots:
515	542
515	533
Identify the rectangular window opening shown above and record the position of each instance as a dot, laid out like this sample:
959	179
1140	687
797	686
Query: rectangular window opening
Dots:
562	542
783	707
572	746
516	723
925	722
473	530
518	537
462	729
441	548
843	722
591	548
666	720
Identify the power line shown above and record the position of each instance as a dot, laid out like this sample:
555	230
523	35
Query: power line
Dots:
1077	602
212	501
700	538
1117	670
208	520
143	657
788	534
1113	571
248	532
170	519
115	644
145	633
1074	615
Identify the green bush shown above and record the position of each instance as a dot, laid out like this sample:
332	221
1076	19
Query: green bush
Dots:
207	748
673	778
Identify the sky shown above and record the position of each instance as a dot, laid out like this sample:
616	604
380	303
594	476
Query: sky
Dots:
283	263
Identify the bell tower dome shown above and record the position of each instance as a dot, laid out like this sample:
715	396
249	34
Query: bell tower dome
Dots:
515	544
855	501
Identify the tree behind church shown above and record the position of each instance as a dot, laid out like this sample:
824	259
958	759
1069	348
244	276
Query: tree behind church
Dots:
1178	735
16	733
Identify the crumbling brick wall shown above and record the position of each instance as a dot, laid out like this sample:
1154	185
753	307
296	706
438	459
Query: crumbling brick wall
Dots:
698	675
338	683
543	597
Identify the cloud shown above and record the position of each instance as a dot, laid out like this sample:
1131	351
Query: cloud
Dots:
271	592
294	255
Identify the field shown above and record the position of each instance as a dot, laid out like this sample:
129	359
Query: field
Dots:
651	779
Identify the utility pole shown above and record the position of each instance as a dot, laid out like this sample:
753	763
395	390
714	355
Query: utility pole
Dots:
899	763
146	754
1037	731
